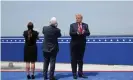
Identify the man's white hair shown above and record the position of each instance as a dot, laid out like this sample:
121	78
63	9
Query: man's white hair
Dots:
53	20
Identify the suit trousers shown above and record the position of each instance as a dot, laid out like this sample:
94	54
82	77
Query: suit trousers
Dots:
77	54
49	57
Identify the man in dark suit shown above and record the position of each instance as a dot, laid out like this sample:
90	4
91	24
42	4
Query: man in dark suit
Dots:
78	33
50	47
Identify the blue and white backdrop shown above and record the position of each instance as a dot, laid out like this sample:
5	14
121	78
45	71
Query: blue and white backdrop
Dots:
99	50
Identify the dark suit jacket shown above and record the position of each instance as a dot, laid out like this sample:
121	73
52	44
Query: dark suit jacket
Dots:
51	35
75	38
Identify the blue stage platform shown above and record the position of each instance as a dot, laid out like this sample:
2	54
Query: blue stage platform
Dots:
68	76
99	49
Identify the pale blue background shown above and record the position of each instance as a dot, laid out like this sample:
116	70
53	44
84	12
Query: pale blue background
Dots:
104	18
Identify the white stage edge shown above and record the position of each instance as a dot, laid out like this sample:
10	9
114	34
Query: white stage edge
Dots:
20	66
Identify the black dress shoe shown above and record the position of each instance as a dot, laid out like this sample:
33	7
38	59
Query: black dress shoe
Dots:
52	78
82	76
28	77
33	76
74	76
45	77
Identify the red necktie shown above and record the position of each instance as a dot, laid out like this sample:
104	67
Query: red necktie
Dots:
80	28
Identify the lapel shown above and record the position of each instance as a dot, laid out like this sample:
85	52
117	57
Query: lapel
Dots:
83	26
76	26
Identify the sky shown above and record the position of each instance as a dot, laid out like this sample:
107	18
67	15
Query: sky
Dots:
103	17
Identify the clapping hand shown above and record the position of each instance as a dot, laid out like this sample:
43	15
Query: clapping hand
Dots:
83	31
79	32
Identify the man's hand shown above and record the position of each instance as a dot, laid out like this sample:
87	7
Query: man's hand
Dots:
78	32
83	31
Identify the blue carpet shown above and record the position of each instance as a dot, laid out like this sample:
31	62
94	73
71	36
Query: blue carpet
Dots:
68	76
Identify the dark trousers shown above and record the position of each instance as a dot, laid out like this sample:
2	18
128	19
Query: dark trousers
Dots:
77	54
49	57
